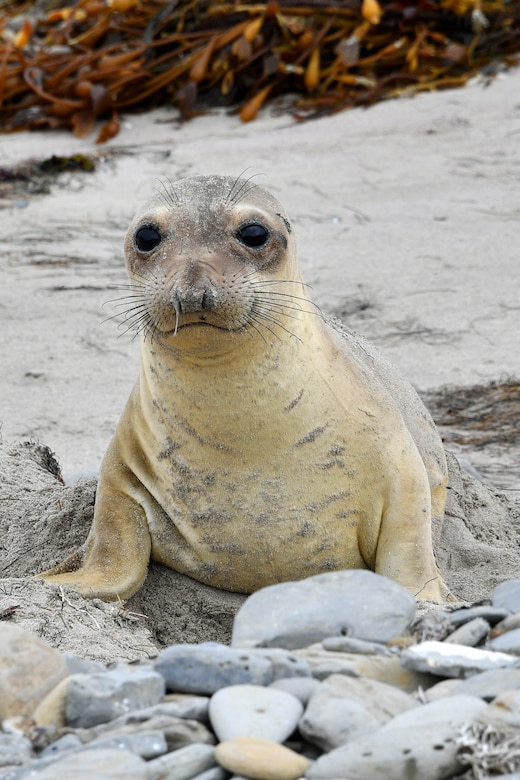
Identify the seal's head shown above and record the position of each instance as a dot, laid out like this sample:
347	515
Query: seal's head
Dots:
211	251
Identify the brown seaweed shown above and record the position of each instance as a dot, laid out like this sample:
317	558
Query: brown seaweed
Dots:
73	65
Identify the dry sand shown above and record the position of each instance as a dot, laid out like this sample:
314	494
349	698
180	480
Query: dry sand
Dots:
408	223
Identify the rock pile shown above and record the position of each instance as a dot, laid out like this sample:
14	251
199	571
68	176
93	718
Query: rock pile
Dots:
340	676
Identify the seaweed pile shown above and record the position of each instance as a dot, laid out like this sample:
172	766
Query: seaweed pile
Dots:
74	64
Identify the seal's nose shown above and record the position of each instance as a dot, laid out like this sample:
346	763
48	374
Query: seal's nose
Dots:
200	297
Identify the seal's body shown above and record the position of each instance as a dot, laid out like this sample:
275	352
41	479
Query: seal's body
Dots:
261	442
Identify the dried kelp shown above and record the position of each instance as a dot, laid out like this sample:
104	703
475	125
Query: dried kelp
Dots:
479	415
69	65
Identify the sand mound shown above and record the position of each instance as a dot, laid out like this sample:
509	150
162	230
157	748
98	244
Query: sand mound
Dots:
42	521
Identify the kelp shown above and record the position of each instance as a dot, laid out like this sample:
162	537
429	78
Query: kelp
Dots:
72	65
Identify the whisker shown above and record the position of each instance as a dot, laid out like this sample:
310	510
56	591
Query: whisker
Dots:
243	190
258	321
169	196
266	309
273	320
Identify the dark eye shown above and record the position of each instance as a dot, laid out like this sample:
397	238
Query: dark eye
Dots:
147	238
253	235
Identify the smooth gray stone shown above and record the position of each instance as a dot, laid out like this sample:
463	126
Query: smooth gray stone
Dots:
453	660
441	689
177	706
507	777
98	698
284	664
186	705
387	669
14	749
301	687
62	745
507	643
469	634
418	744
347	644
254	711
207	667
355	603
178	732
343	709
491	614
147	744
507	596
81	666
83	765
183	764
99	764
504	712
490	684
217	773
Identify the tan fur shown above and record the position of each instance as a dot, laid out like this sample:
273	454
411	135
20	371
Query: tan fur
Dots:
261	443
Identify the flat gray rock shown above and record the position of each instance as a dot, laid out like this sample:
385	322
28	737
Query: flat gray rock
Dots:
355	603
419	743
253	711
504	712
387	669
453	660
469	634
491	614
283	663
106	764
301	687
207	667
14	749
490	684
182	764
347	644
98	698
343	709
507	596
507	643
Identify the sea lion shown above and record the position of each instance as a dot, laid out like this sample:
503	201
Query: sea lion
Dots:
261	443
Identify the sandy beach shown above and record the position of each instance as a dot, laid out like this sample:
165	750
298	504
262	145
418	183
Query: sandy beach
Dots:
407	221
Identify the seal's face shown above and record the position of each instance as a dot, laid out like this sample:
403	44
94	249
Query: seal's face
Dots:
211	252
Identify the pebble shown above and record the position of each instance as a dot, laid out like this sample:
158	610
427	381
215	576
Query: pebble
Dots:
182	764
297	614
507	596
349	706
453	660
416	744
470	634
250	710
490	684
507	643
388	670
14	749
344	708
260	759
29	669
98	698
347	644
207	667
504	711
491	614
301	687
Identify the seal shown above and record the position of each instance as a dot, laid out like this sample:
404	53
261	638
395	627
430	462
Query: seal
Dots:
262	442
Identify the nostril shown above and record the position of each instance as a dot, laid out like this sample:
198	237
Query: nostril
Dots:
193	300
208	298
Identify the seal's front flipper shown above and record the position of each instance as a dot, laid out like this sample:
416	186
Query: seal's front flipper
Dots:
113	563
